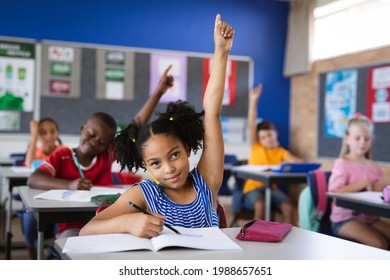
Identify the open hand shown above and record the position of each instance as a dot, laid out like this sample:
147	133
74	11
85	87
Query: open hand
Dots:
255	93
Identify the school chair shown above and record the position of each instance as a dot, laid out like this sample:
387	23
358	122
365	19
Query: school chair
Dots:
238	209
229	160
314	204
222	216
125	178
220	211
18	158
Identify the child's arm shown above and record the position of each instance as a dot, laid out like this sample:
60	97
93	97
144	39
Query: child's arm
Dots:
358	186
291	158
40	180
30	154
120	217
212	160
166	82
254	97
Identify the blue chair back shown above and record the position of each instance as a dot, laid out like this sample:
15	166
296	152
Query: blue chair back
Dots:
313	180
18	158
229	160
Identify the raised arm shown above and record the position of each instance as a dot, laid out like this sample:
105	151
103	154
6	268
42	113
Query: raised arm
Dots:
166	82
211	162
30	154
254	97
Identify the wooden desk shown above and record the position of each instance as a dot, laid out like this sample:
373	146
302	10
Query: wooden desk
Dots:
299	244
367	202
268	178
16	177
52	212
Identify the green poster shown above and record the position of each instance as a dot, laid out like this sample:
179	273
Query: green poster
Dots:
115	74
62	69
16	49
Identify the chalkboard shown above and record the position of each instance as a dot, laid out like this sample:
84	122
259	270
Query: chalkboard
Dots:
330	147
71	112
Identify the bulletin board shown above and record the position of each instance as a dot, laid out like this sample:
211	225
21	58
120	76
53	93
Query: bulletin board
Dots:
103	71
70	81
17	84
372	99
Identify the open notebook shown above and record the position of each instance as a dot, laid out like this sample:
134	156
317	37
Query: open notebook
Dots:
78	195
211	238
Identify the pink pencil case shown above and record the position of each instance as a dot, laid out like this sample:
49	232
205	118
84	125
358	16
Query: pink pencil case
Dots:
386	194
259	230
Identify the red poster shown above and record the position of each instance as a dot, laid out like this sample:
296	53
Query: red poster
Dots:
229	97
378	94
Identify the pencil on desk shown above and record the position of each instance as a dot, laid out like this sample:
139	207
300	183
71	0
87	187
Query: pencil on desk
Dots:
147	213
78	165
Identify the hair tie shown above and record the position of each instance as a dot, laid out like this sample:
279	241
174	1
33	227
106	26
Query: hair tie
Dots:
133	139
358	115
171	118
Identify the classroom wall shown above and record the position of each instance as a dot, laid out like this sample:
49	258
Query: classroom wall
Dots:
174	25
304	102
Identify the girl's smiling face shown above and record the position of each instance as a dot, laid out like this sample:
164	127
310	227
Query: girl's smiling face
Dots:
166	158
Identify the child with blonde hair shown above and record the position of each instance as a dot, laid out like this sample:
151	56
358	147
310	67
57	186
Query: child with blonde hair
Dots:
354	171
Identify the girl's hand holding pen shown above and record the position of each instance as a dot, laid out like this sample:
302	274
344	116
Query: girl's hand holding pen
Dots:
142	225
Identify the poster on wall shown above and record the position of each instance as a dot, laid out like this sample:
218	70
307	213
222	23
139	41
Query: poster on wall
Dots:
158	64
340	101
17	74
9	120
378	97
60	65
229	97
60	70
115	74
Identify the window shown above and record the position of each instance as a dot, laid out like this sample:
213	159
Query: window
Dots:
347	26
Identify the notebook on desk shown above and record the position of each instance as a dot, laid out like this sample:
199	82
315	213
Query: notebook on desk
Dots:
296	167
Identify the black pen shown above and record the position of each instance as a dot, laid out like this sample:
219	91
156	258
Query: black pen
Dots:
147	213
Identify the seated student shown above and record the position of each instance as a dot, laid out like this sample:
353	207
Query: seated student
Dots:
95	154
354	171
46	131
265	150
182	197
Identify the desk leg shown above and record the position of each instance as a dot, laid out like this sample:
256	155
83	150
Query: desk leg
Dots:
40	248
267	203
8	229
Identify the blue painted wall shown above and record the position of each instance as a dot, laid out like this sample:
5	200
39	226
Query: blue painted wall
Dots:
182	25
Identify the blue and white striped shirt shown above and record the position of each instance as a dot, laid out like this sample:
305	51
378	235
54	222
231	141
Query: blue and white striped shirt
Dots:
198	213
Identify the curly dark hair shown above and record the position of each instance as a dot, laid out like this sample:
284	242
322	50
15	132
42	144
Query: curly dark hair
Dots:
180	120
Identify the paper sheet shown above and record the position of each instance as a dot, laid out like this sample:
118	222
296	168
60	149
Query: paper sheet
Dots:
78	195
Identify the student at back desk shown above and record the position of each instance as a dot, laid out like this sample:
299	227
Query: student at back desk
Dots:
265	150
